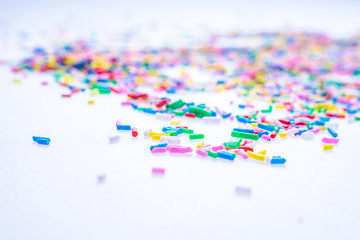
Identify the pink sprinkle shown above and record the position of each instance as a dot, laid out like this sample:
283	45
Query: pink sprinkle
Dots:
158	171
202	153
205	146
158	150
249	105
266	137
179	149
242	154
172	146
263	119
125	103
330	140
218	148
118	123
317	130
232	117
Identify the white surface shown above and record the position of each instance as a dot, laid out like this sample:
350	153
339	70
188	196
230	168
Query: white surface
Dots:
52	192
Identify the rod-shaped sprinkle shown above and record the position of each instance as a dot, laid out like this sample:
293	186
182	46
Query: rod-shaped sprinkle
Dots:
259	157
245	135
196	136
330	140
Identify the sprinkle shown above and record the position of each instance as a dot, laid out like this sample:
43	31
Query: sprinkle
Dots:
243	191
330	140
226	155
41	140
263	152
196	136
179	149
328	147
283	134
158	171
333	134
277	160
259	157
218	148
266	127
200	144
158	150
187	131
212	120
266	137
245	135
123	127
202	153
101	179
212	154
175	122
242	153
161	145
163	116
114	139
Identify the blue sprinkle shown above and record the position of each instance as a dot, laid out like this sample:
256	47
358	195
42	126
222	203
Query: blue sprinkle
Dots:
325	119
333	134
134	105
301	132
241	106
277	160
166	129
242	119
262	133
319	123
244	130
159	145
266	127
226	115
226	155
123	127
149	110
351	111
41	140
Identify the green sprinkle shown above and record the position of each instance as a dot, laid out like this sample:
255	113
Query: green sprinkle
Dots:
232	144
212	154
199	112
269	110
178	113
245	135
196	136
188	131
175	105
357	118
172	133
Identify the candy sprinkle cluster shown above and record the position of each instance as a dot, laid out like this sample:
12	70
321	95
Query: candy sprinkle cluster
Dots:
310	76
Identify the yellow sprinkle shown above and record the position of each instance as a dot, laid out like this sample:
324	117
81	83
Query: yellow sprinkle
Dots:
254	124
151	134
91	102
259	157
322	128
278	106
328	147
201	143
17	81
94	91
156	137
283	134
175	122
263	152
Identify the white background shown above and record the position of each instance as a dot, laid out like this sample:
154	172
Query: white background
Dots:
52	192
